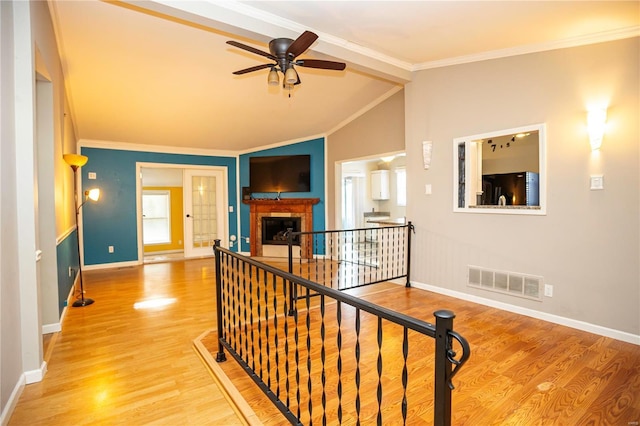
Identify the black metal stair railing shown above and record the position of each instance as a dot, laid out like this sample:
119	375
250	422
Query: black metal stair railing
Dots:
346	259
321	363
350	258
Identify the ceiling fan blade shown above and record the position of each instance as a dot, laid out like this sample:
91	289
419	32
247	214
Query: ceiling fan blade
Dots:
251	49
251	69
301	44
326	65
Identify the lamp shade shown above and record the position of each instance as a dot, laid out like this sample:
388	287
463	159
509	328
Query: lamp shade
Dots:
290	77
76	160
93	194
273	79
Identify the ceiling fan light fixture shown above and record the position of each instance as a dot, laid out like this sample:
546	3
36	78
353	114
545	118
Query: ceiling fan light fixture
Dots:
273	78
284	53
290	77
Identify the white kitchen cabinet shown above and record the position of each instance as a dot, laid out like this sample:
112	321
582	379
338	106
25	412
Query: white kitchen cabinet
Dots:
380	185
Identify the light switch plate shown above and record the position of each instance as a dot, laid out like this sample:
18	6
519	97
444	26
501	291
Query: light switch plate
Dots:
92	175
597	182
427	189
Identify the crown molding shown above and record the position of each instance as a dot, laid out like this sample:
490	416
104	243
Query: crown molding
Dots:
125	146
284	143
365	109
534	48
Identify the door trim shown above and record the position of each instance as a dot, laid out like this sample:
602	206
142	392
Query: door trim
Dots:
141	165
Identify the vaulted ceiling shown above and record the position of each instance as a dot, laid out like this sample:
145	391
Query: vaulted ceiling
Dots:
160	72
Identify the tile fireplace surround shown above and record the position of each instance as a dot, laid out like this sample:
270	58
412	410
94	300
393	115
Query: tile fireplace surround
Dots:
285	207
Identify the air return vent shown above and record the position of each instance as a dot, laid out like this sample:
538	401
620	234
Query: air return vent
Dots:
513	283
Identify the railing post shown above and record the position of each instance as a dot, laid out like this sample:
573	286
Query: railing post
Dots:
291	286
442	390
409	230
220	356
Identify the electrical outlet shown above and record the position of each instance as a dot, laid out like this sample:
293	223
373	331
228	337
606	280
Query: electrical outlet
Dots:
246	240
111	249
548	290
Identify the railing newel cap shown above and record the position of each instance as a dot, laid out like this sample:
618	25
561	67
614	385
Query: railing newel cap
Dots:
444	314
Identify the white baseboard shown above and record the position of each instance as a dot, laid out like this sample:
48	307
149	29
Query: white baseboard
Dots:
34	376
12	401
51	328
556	319
153	253
111	265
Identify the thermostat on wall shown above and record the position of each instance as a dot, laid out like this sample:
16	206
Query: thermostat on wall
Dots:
597	182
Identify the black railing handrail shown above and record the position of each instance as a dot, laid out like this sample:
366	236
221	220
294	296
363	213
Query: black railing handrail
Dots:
404	320
335	231
367	232
442	333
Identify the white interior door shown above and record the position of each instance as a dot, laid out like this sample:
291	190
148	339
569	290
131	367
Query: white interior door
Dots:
205	209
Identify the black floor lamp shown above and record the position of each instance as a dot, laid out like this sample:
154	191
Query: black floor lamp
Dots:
76	161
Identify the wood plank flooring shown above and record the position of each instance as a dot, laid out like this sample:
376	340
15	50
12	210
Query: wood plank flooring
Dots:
522	371
113	364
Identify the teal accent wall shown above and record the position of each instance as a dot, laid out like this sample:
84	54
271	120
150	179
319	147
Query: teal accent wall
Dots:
67	256
112	220
315	148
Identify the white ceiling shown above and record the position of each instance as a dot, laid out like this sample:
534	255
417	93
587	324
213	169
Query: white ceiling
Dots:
160	73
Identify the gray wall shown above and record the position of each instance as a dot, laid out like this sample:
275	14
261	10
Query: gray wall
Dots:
588	244
25	28
10	344
378	131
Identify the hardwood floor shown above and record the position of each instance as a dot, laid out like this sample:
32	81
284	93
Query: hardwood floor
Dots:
522	371
114	364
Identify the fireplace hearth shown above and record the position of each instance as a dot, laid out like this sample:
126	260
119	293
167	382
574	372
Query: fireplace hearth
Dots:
275	229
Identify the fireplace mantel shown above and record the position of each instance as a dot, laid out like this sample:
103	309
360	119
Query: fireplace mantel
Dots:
297	207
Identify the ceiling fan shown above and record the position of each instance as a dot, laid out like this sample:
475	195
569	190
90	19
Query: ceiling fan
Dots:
284	52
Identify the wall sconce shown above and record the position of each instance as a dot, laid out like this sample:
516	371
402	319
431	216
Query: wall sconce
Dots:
596	123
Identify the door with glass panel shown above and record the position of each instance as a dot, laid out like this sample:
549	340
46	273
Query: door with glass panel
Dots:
205	201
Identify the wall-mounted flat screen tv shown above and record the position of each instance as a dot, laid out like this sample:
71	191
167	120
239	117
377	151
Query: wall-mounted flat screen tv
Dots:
281	173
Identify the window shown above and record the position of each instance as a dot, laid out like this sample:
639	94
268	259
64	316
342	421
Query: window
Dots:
401	186
501	172
156	217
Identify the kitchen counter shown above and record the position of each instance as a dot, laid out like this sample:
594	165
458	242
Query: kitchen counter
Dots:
387	221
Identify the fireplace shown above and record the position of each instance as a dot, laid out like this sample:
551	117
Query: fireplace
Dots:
275	229
288	208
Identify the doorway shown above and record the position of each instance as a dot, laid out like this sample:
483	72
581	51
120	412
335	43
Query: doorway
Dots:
354	199
180	211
